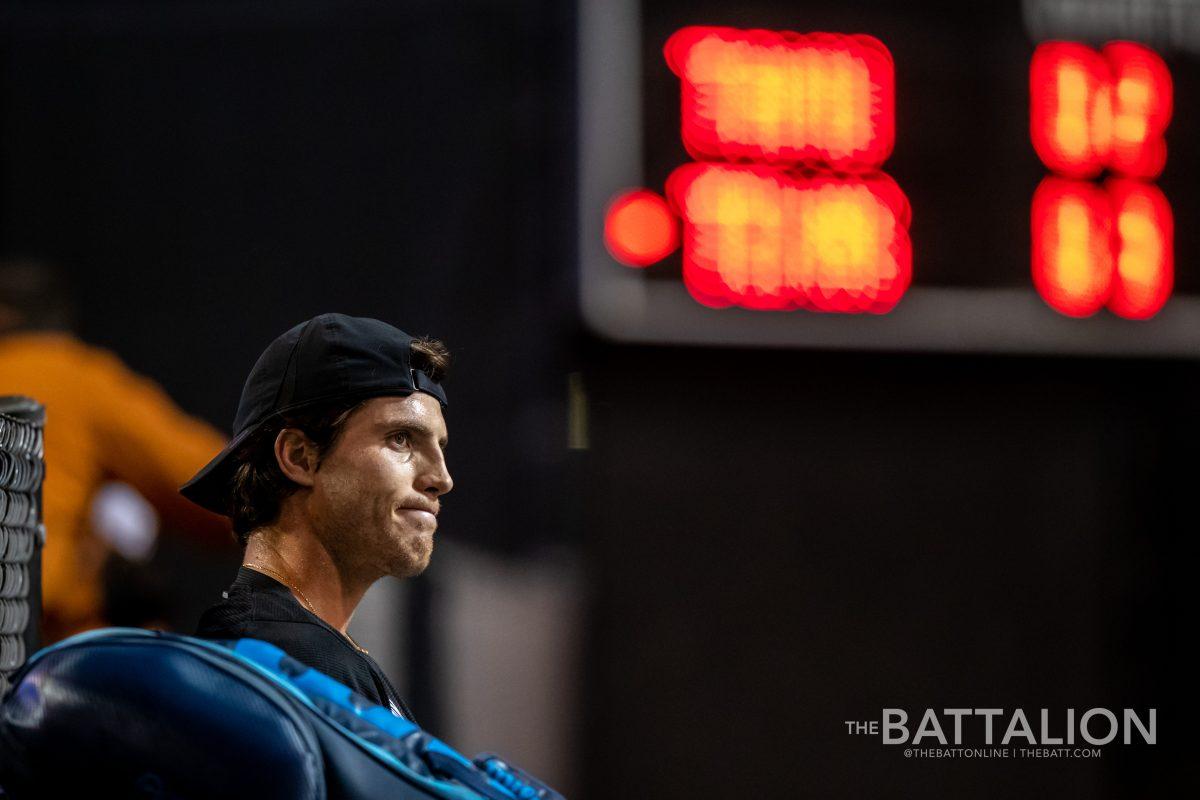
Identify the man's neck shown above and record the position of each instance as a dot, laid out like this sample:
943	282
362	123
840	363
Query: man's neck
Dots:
309	569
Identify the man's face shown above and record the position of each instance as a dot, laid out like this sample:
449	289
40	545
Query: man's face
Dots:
376	494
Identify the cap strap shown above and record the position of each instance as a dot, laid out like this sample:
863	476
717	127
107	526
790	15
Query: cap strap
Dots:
423	383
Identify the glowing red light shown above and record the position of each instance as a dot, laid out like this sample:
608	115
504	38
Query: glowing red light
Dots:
639	229
785	98
1070	108
1093	110
1072	246
1099	246
1145	260
1141	108
757	238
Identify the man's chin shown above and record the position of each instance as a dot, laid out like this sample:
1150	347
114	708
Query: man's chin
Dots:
414	556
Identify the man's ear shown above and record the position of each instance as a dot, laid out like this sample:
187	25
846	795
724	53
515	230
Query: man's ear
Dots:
296	456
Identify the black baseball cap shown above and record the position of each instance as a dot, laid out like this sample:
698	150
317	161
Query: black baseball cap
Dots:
327	359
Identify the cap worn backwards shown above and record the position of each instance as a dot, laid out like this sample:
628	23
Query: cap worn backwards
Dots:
329	358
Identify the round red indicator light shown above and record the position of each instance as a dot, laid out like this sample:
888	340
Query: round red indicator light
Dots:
639	229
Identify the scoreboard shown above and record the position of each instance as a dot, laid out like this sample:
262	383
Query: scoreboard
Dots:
887	176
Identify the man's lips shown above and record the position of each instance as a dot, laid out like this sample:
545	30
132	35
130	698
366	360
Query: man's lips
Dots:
419	511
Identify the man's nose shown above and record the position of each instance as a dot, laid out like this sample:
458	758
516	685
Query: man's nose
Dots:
438	481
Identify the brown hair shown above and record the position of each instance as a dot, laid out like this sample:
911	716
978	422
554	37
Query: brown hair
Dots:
259	487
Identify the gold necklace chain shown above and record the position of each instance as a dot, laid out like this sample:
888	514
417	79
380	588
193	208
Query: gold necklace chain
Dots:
272	573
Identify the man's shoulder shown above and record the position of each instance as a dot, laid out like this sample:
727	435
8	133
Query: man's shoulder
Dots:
254	605
304	640
308	642
253	608
258	607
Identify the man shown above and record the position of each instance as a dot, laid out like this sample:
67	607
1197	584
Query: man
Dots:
103	422
333	480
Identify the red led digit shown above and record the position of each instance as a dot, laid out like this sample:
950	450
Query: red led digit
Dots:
760	239
783	98
1144	230
1072	246
1141	91
1070	108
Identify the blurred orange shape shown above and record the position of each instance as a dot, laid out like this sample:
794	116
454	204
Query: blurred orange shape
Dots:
1099	246
785	98
759	239
639	229
1145	262
1142	103
1072	246
1091	110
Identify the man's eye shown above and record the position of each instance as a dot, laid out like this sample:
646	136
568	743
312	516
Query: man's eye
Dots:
402	437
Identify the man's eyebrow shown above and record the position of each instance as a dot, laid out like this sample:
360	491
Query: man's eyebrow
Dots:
415	427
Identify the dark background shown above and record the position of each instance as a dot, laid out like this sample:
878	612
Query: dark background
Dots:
812	538
213	173
774	541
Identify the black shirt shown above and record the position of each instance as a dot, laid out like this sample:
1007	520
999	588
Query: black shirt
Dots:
257	606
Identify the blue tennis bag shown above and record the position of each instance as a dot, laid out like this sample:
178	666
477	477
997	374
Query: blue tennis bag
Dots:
131	713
